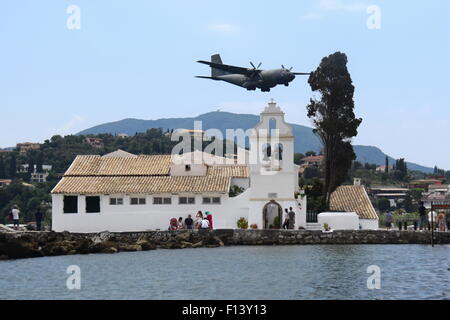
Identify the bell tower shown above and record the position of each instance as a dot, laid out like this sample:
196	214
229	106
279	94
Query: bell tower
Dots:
273	174
272	144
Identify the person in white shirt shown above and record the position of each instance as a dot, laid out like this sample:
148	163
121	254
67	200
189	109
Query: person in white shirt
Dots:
15	216
434	219
205	224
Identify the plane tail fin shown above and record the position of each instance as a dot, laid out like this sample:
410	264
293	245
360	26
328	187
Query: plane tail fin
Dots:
215	58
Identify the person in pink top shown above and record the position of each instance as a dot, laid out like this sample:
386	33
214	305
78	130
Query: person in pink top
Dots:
209	217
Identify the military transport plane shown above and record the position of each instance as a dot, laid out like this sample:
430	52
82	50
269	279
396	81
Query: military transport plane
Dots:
249	78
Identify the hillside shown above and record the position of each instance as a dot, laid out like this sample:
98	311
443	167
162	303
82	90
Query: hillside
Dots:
305	139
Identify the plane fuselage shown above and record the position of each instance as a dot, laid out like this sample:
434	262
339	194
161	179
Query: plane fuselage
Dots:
266	79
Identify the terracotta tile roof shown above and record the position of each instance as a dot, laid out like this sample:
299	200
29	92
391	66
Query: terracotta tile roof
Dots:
141	174
141	184
236	171
312	159
117	166
353	199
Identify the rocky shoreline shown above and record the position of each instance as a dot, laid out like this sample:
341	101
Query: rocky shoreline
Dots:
39	244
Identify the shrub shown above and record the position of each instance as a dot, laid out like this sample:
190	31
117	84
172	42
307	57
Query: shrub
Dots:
277	222
235	191
242	223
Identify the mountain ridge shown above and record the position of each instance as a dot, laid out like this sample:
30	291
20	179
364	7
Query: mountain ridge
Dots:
305	138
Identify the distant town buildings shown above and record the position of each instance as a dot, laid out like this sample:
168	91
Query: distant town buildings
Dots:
36	176
310	162
39	177
393	194
383	168
5	182
94	142
24	147
193	133
24	168
435	194
122	135
425	183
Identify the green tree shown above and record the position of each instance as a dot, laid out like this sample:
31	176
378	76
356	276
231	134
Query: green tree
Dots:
298	158
386	163
2	168
383	204
333	117
401	170
12	170
39	162
316	199
357	165
408	204
311	173
310	154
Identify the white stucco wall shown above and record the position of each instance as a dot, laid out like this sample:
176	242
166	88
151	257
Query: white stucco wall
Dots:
339	220
367	224
127	217
346	221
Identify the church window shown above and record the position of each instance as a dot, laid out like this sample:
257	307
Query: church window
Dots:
116	201
137	201
267	151
92	204
278	152
70	204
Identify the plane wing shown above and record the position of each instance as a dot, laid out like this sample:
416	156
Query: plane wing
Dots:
227	68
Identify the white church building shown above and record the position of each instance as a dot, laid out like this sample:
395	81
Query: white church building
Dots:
121	192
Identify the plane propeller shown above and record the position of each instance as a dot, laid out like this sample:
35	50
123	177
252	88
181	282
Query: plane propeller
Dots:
255	71
255	68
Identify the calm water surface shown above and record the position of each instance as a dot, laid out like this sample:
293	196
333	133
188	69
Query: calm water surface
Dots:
264	272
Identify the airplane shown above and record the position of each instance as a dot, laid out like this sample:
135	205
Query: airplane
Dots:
249	78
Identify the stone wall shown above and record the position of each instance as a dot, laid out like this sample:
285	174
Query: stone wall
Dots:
38	244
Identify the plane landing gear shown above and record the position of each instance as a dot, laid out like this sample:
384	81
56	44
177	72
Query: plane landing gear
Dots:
286	84
265	90
251	89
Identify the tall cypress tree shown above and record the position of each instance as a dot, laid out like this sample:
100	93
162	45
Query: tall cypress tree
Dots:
12	170
2	168
334	118
386	169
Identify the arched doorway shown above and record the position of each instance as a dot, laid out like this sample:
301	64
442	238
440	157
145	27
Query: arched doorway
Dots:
272	215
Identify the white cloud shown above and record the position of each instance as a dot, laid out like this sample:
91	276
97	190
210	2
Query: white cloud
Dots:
223	28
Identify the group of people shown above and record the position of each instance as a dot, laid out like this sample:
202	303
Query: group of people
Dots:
433	220
289	219
202	221
14	215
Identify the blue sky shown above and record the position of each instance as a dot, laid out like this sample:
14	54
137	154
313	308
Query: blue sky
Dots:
136	59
